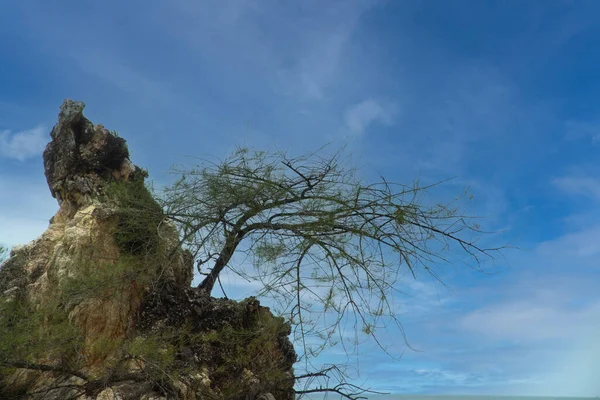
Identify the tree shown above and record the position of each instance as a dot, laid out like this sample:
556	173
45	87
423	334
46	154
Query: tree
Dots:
326	247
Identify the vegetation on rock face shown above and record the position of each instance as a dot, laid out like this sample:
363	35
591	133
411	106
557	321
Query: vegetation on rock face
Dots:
43	330
167	344
225	339
103	280
31	332
253	349
139	215
12	274
102	300
38	336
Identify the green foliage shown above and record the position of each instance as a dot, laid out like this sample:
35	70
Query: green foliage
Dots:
30	332
104	280
42	332
268	252
155	354
33	332
139	216
11	270
254	348
247	341
102	347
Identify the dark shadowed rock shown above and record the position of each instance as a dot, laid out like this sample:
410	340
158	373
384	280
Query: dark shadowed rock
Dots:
81	155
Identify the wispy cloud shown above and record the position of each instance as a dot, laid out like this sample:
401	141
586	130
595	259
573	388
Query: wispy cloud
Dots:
552	336
543	314
547	297
113	71
581	247
581	185
325	38
317	69
360	116
300	57
23	145
533	321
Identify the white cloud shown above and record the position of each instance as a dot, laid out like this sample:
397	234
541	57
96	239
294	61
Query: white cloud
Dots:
551	297
581	247
548	314
24	144
302	60
579	185
440	374
320	64
359	116
556	336
529	321
325	38
235	286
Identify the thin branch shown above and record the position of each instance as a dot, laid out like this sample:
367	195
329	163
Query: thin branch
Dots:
44	368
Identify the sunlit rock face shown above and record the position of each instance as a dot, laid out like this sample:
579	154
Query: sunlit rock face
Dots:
112	262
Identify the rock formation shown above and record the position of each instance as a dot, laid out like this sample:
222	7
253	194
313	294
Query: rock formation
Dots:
100	305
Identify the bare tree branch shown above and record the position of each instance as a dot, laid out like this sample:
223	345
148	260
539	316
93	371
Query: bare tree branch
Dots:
328	248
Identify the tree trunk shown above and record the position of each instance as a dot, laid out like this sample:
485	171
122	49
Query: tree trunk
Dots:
230	245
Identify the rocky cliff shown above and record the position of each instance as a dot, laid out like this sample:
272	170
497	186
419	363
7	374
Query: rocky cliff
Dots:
100	305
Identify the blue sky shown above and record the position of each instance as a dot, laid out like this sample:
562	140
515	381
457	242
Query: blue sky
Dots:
502	95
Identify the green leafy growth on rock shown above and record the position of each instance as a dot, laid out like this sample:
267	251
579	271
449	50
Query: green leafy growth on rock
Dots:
34	332
252	349
104	280
139	215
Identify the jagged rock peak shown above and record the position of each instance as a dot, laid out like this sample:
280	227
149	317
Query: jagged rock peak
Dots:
82	156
